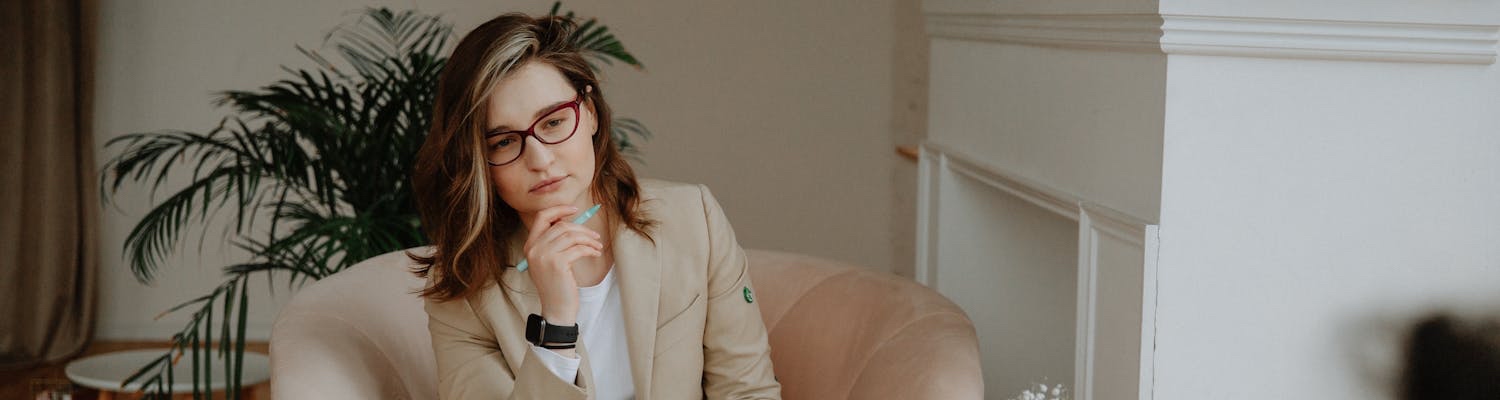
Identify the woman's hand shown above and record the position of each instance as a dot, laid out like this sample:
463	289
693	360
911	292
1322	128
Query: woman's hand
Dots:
553	246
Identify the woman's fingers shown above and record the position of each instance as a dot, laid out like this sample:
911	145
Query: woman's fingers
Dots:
562	228
547	250
563	239
546	218
576	252
565	258
568	231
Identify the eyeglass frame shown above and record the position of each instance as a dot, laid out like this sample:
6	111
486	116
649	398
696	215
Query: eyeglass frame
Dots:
531	131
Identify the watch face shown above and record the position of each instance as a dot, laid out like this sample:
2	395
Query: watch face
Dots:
534	329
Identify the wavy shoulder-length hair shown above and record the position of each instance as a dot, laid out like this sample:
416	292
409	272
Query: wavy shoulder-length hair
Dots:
465	219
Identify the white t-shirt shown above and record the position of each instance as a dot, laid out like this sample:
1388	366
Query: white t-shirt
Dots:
601	326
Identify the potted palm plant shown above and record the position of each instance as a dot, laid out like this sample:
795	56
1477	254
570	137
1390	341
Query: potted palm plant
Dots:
296	154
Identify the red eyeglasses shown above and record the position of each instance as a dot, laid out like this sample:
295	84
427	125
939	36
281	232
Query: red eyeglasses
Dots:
557	126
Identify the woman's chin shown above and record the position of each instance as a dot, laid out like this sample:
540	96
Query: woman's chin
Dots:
554	198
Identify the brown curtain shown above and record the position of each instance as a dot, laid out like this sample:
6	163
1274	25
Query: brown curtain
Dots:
48	187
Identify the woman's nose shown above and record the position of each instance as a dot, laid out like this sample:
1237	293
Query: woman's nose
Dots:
538	155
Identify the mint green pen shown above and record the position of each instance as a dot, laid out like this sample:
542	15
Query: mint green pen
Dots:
578	220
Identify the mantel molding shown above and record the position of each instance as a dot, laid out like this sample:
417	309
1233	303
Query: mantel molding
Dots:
1230	36
1331	40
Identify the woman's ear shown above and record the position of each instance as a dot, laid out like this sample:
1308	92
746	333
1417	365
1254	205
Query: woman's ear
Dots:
586	90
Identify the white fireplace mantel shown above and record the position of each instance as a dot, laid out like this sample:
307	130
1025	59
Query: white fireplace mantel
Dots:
1131	197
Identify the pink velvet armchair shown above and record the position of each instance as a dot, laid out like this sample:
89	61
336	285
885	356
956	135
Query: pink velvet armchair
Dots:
836	331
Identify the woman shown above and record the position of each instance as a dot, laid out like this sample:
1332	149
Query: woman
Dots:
654	285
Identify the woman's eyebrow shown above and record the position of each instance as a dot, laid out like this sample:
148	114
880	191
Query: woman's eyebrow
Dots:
538	114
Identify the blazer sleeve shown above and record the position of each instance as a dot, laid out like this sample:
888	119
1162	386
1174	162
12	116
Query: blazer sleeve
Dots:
470	364
736	351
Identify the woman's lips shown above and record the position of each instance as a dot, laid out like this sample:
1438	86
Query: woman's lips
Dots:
548	185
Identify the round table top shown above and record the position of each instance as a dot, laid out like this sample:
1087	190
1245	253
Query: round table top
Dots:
106	371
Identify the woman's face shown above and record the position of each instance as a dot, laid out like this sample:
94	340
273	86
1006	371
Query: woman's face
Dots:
515	103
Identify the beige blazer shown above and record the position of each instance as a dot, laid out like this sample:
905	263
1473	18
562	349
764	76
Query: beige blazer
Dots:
692	327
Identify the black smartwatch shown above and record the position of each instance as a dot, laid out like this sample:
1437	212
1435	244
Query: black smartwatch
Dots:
549	336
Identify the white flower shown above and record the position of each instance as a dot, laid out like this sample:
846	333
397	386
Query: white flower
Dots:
1042	391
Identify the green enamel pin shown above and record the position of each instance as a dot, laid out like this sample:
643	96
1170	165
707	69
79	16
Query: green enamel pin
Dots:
748	297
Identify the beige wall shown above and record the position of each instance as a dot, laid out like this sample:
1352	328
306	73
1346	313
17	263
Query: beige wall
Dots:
788	110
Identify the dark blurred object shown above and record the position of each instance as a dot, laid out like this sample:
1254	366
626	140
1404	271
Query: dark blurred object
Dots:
1451	359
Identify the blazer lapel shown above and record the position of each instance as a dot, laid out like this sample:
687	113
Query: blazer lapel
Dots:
521	297
640	292
639	273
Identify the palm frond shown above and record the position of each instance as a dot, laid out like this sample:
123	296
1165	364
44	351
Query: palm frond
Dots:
622	129
597	43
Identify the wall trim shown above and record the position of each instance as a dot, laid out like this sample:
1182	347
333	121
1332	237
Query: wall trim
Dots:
1119	32
1086	334
1149	303
1109	221
1095	223
1288	38
1331	40
930	165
